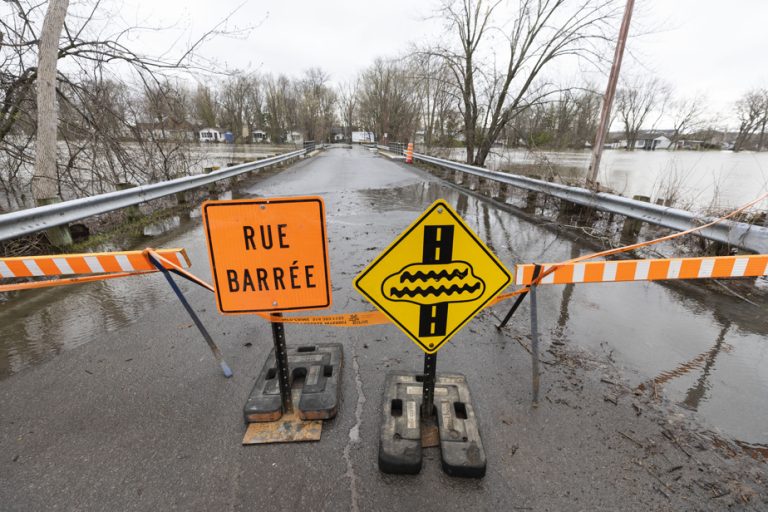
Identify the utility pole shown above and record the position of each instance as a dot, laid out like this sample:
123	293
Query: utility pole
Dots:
610	92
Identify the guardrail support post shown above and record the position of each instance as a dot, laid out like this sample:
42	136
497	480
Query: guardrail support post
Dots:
131	212
59	236
631	227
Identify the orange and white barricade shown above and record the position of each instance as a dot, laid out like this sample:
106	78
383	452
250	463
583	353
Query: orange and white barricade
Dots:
90	263
718	267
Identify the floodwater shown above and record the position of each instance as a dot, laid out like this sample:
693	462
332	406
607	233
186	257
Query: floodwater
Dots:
693	180
708	353
198	157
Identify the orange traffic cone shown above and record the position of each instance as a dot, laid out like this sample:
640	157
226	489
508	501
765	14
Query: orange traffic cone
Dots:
409	153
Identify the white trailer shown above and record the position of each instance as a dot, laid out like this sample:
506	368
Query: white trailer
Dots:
361	137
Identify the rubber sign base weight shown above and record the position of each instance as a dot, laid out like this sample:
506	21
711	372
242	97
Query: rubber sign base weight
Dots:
403	428
314	373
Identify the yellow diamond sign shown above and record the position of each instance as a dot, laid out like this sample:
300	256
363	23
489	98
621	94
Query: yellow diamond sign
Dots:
434	278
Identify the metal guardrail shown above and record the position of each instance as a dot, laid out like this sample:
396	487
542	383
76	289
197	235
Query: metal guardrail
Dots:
31	220
739	234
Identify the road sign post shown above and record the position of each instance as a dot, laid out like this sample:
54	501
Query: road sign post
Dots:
270	255
432	280
428	390
281	362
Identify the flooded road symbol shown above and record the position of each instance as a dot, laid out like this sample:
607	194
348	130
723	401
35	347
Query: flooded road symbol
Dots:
434	278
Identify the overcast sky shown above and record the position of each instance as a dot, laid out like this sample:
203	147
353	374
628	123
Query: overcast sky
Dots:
698	46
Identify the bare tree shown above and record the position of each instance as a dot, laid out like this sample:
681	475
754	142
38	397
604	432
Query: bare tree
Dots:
317	104
540	32
389	100
752	111
348	94
686	116
241	105
636	101
97	54
206	103
568	120
438	114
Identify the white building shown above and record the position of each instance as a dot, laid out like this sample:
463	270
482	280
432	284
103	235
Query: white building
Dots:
652	142
361	137
260	136
294	138
211	135
644	141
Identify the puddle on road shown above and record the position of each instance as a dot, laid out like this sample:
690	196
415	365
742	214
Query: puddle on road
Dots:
36	325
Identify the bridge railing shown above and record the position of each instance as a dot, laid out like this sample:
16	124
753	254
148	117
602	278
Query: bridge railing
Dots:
738	234
397	148
24	222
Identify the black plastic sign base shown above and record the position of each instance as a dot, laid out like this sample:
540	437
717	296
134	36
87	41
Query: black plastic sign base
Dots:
319	366
400	448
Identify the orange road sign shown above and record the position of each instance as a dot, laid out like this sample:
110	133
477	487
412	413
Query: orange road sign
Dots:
88	263
434	278
721	267
268	254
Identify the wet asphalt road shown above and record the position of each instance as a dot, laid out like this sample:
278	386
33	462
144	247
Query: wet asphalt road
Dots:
138	416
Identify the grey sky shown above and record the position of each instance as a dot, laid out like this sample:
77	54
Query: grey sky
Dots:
707	46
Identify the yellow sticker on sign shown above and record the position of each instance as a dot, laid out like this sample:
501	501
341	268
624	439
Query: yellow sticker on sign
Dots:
434	278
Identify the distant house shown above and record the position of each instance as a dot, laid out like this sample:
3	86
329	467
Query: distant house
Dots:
363	137
167	131
260	137
647	141
690	144
652	141
337	134
294	138
211	135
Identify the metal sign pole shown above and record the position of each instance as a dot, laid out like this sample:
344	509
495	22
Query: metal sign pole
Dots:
535	339
281	362
428	396
437	248
536	271
191	312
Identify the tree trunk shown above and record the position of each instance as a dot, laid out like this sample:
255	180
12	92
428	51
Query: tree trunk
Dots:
762	135
45	183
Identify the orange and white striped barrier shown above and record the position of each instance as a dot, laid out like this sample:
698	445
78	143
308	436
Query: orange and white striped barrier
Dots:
719	267
409	153
89	263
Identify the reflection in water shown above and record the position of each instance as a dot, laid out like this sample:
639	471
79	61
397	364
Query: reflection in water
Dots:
698	391
562	319
36	327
